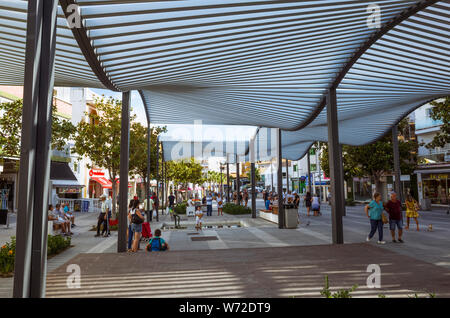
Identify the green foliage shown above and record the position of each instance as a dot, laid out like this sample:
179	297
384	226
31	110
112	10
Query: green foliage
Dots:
441	112
231	208
341	293
349	202
375	159
11	125
98	138
180	208
138	150
7	255
57	243
184	172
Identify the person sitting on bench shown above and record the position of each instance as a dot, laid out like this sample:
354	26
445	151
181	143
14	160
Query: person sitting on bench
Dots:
58	222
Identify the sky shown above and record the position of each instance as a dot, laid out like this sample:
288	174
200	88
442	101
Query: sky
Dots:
175	132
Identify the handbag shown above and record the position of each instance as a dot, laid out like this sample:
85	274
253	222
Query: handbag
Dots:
384	218
136	219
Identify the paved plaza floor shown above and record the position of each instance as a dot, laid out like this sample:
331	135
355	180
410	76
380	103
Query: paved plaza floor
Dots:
239	243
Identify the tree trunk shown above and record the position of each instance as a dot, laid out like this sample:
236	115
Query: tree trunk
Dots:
378	184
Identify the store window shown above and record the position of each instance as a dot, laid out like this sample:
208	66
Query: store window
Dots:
436	188
362	189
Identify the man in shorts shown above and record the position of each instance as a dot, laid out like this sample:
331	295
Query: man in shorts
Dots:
394	209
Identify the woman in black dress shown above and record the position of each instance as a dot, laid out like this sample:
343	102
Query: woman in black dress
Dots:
308	202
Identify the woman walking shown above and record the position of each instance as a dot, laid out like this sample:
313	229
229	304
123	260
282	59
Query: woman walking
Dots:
136	220
219	205
308	202
374	211
411	211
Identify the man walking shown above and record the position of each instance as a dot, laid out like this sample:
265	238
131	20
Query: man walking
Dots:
171	200
103	217
209	201
394	209
149	209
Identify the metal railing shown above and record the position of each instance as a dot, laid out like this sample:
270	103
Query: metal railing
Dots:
79	205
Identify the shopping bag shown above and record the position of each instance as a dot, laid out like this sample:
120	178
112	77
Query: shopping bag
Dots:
384	218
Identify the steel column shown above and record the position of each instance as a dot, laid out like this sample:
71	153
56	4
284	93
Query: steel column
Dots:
147	190
34	172
228	181
397	171
157	179
309	170
344	212
163	192
287	175
253	176
124	167
281	224
335	162
238	181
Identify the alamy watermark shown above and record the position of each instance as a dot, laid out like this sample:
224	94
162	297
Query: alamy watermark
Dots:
74	278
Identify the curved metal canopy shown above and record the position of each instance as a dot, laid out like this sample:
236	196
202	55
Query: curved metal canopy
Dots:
263	63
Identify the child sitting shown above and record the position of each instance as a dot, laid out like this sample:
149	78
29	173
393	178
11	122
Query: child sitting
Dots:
157	243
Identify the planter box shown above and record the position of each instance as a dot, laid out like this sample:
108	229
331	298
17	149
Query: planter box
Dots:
269	216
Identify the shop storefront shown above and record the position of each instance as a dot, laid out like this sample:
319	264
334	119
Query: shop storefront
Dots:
64	183
436	187
433	183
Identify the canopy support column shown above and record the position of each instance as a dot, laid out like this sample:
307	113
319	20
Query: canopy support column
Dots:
335	162
397	171
238	181
228	180
124	167
309	170
34	172
253	176
344	212
280	181
287	175
147	190
157	180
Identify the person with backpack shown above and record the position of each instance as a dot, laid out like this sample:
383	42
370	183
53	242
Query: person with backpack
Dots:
136	219
157	243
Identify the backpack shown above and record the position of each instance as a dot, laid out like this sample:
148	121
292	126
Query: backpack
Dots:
135	218
155	245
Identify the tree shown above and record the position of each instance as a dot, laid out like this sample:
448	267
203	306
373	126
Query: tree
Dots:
138	151
375	160
98	138
184	172
11	125
441	112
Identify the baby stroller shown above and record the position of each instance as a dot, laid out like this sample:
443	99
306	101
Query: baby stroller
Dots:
146	232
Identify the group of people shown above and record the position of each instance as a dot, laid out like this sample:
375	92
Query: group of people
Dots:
136	220
242	199
62	218
374	211
271	199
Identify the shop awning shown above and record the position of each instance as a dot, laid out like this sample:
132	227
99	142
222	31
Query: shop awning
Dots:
105	183
67	183
62	176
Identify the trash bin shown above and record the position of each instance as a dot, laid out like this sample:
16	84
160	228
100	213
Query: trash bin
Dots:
290	216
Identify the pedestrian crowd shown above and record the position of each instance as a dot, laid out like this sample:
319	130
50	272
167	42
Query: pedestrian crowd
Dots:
375	212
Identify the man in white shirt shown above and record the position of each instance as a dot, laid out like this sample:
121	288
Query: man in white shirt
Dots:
148	209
